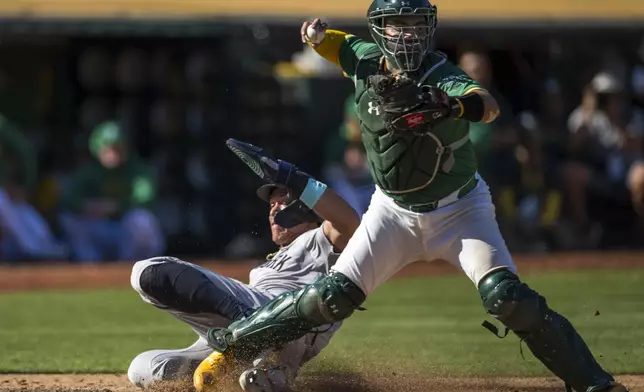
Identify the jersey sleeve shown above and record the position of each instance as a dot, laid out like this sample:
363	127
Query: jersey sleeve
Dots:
454	81
319	246
343	49
351	52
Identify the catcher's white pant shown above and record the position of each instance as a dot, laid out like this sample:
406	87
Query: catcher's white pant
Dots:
165	364
463	232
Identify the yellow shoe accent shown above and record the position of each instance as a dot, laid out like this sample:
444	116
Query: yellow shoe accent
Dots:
211	372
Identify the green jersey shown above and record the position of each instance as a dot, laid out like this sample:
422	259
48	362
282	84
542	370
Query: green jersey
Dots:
131	185
411	169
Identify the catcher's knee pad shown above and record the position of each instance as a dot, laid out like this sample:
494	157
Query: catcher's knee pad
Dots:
332	298
511	301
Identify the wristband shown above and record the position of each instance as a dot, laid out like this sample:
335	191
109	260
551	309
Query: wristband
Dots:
456	108
312	192
468	107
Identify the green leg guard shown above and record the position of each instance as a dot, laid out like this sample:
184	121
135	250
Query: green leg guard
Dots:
290	316
550	336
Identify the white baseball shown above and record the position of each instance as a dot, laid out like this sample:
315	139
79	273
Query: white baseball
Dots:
313	35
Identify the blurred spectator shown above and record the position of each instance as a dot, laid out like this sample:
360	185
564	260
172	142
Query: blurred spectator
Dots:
106	210
540	207
503	152
24	233
495	143
346	167
606	151
550	127
351	179
348	132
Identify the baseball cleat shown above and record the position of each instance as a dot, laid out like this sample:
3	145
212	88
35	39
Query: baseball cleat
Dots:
617	388
211	371
255	380
263	380
613	387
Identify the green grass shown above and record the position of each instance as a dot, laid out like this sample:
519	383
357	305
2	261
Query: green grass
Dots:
423	324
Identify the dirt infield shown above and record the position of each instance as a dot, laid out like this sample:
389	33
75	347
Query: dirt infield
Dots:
63	276
44	277
395	382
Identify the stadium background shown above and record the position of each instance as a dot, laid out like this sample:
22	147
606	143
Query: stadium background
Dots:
182	76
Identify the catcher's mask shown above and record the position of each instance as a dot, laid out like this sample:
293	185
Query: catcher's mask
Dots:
293	214
405	45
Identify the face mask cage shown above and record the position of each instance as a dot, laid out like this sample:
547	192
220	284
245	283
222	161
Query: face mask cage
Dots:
405	46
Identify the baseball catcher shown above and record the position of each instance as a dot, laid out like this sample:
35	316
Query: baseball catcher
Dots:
415	108
309	242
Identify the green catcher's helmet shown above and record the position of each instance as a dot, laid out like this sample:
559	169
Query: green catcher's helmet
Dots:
405	45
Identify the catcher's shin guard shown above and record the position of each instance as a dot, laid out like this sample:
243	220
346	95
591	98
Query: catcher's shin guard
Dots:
288	317
550	336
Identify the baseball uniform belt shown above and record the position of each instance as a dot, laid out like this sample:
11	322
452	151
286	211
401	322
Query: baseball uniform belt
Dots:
449	199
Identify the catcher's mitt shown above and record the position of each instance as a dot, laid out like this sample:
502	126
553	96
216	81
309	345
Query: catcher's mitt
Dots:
408	107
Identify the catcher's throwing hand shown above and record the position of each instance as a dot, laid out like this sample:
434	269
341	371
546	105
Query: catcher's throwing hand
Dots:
317	25
407	106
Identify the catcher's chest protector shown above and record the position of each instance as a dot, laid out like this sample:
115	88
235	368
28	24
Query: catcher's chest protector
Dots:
402	163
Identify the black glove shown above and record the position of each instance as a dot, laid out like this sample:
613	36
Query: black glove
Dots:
406	106
273	171
276	171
